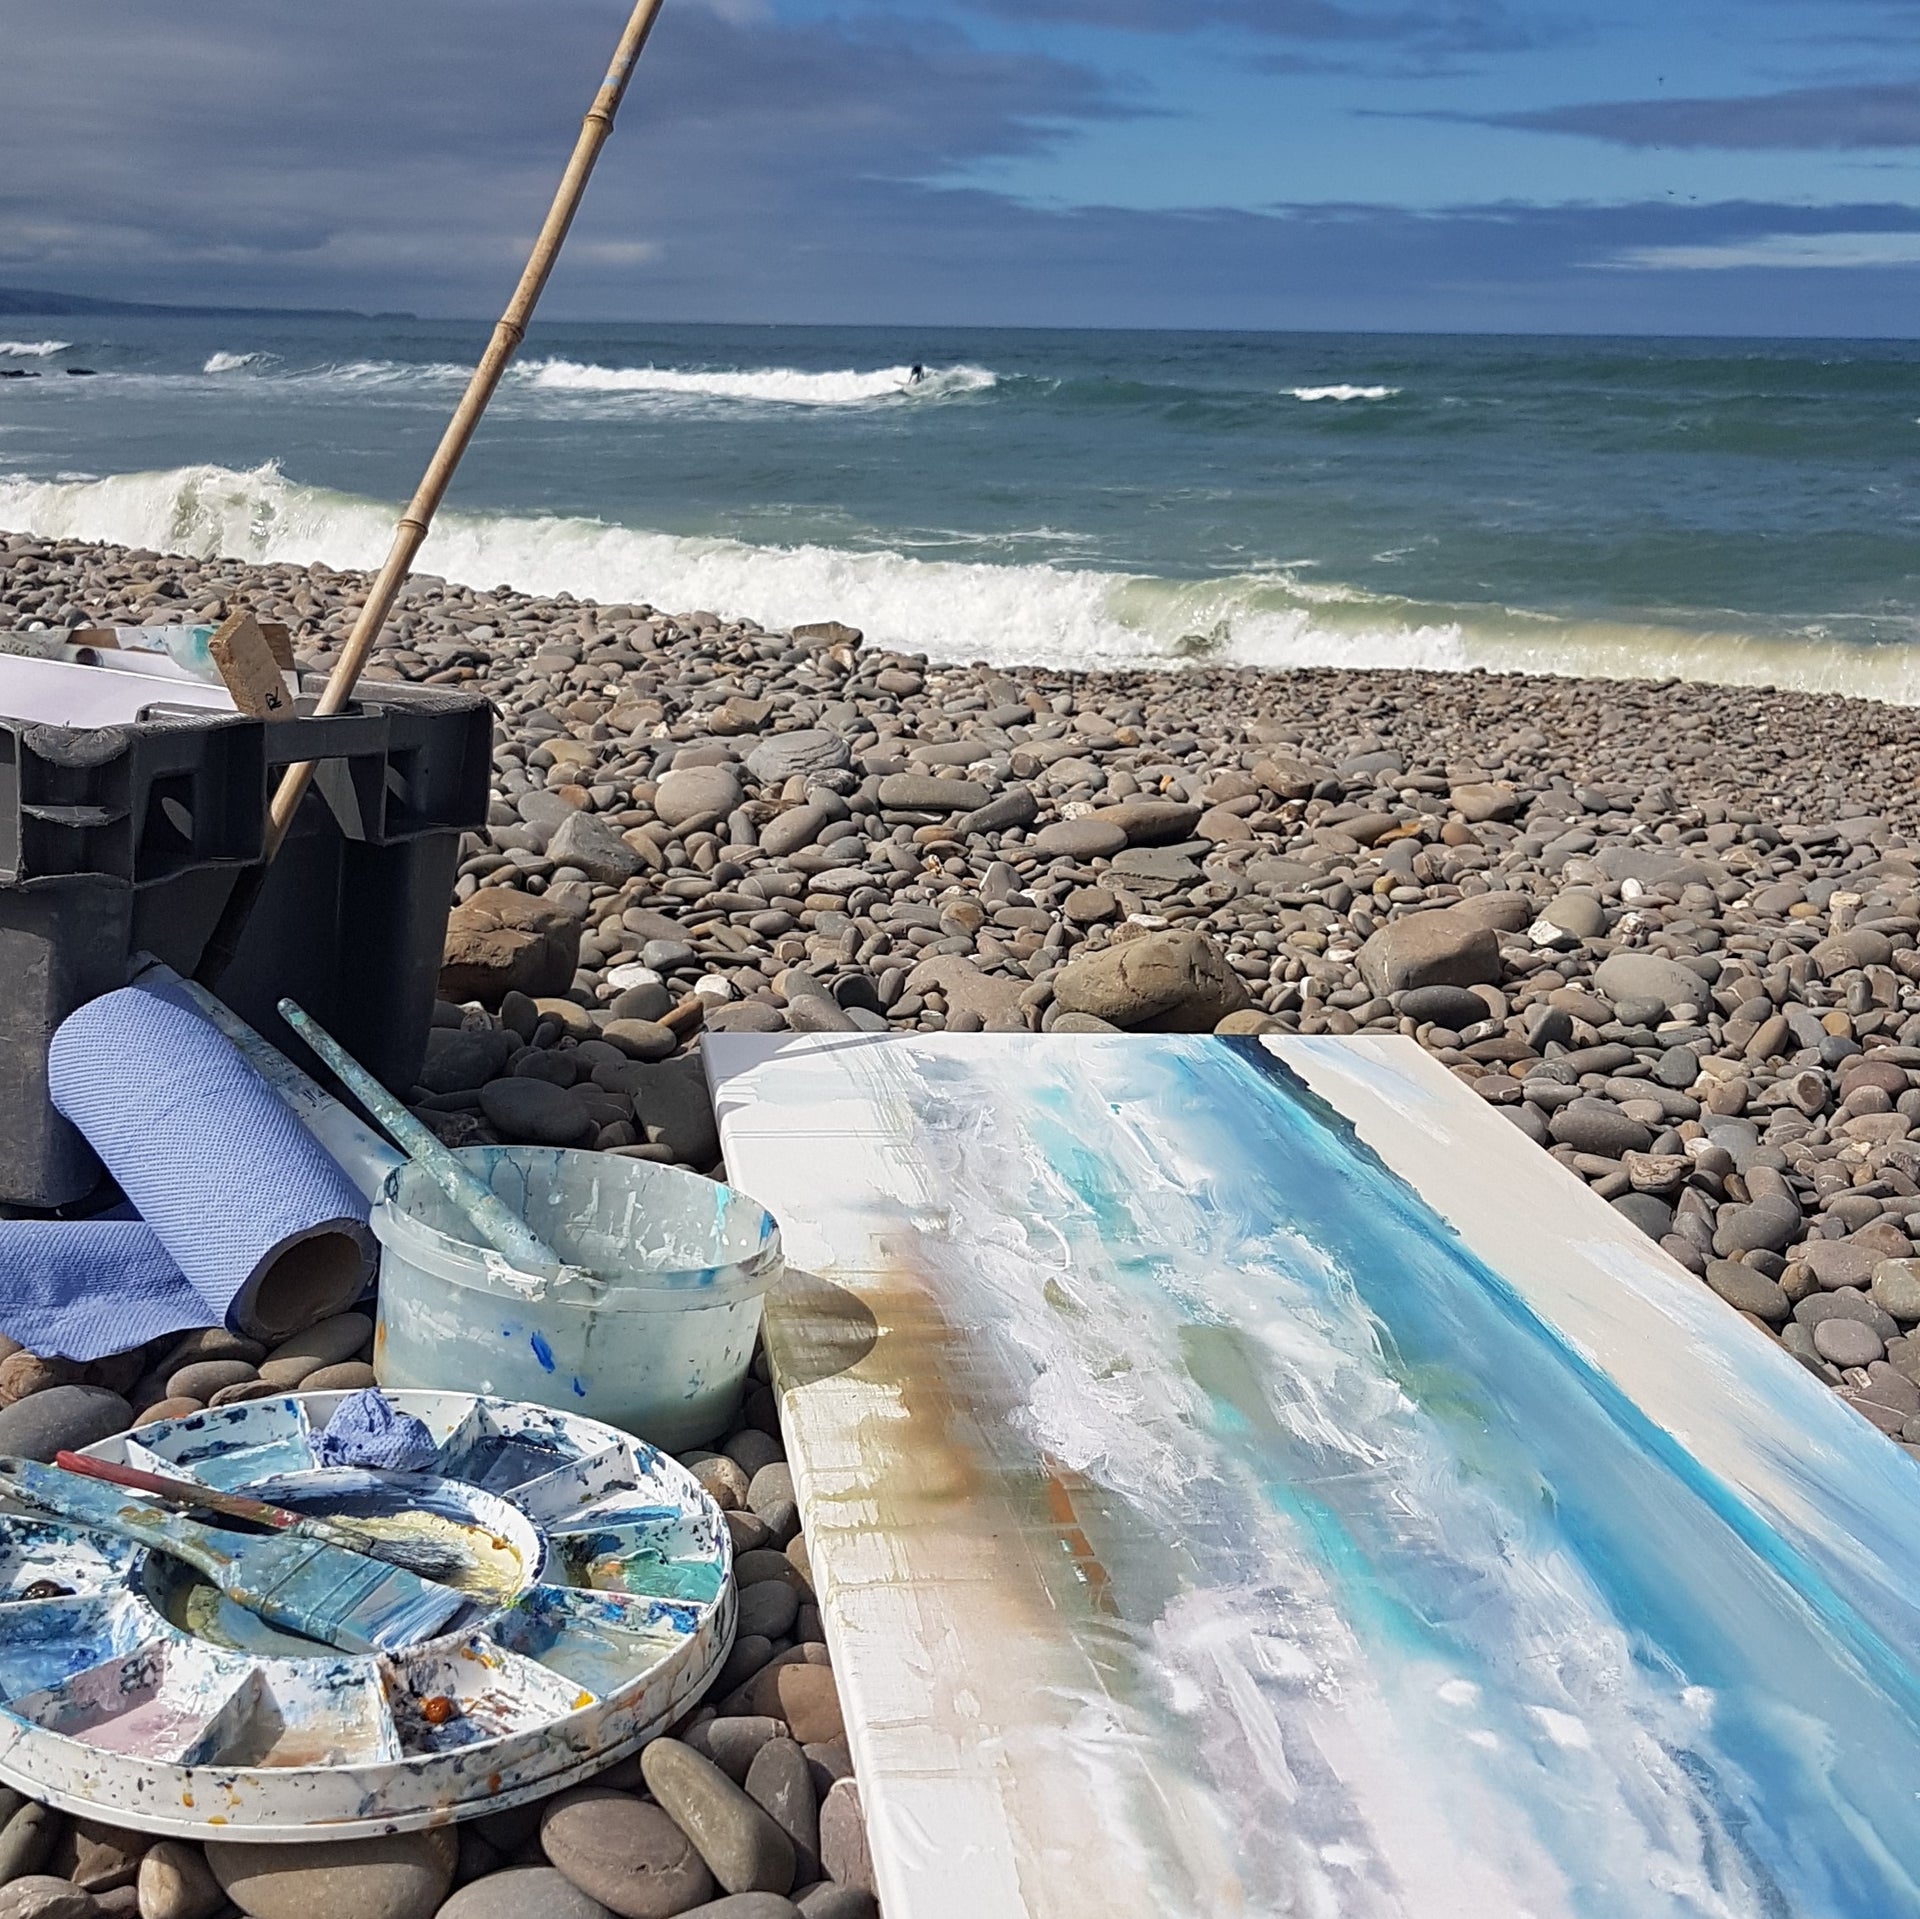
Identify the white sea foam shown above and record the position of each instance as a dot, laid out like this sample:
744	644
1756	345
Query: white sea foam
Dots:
33	349
784	386
233	362
1344	392
1073	617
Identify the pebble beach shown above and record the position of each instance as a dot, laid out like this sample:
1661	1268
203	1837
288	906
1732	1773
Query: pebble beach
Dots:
1668	930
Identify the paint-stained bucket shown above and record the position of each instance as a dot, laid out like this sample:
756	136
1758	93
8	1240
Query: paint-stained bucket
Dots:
657	1342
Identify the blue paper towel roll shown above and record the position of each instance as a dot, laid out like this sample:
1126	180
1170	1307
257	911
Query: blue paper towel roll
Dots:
268	1231
81	1289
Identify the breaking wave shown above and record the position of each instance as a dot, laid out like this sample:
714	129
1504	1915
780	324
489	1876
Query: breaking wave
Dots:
785	386
1059	616
1344	393
33	349
233	362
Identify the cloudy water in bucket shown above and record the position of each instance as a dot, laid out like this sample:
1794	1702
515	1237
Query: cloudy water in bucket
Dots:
1741	511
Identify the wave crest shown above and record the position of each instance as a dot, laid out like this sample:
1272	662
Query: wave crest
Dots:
1345	393
33	349
781	386
233	362
1063	617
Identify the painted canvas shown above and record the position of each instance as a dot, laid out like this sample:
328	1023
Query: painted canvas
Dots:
1246	1477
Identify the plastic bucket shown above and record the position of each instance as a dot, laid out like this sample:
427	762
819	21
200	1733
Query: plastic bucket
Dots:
658	1343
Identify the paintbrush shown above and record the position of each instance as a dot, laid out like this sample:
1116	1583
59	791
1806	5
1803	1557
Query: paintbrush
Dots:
342	1599
183	1495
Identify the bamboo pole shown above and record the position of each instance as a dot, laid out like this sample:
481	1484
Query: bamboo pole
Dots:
414	522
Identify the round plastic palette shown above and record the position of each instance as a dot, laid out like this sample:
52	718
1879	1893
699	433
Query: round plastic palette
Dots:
130	1693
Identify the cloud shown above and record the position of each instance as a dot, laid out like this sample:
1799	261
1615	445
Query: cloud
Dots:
1465	26
1817	251
1808	119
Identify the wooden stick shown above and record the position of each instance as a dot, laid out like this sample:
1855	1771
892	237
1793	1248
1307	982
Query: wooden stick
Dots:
418	517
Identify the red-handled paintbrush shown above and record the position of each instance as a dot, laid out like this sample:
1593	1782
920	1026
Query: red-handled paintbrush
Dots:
415	1556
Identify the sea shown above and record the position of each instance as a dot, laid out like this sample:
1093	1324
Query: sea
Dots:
1744	511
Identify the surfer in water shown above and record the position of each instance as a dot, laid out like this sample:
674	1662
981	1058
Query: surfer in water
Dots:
918	374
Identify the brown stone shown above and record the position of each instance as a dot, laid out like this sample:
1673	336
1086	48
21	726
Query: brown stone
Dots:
501	941
1174	982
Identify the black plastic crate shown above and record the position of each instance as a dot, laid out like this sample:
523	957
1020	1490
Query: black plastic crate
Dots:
126	839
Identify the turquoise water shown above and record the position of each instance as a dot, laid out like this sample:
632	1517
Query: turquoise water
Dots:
1738	510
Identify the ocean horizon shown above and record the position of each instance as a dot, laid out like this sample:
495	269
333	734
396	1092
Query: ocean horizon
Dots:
1737	510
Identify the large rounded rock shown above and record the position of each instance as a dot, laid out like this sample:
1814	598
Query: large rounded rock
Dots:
502	941
521	1892
1173	982
696	796
1767	1225
741	1843
61	1419
628	1855
1430	949
923	793
788	832
1623	976
400	1876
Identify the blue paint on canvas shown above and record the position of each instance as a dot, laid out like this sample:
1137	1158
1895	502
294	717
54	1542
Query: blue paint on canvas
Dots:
1353	1470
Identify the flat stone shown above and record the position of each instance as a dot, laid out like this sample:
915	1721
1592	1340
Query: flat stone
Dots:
1453	1007
844	1854
810	750
733	1741
529	1112
1503	912
1597	1126
329	1342
923	793
1747	1290
789	831
205	1377
1429	949
673	1109
626	1854
780	1782
642	1039
61	1419
1173	982
1896	1289
1082	839
459	1061
1845	1342
176	1882
588	842
804	1696
39	1896
1838	1262
1151	822
828	1901
744	1848
969	990
521	1892
1767	1225
398	1876
26	1840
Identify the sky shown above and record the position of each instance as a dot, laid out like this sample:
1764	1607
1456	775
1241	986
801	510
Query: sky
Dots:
1654	166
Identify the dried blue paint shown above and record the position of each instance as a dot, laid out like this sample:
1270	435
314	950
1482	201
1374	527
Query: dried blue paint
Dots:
542	1352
